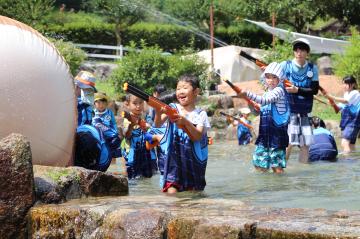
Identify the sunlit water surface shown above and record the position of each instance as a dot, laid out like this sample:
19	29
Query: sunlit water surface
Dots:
231	175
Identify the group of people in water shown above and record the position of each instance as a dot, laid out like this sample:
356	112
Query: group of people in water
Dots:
176	145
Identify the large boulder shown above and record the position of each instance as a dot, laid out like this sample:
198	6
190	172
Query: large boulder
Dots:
56	184
17	186
325	65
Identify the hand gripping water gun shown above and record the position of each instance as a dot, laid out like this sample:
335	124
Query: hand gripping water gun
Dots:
238	119
287	83
238	90
140	122
155	103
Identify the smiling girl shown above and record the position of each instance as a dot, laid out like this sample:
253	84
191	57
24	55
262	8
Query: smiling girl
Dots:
274	116
187	154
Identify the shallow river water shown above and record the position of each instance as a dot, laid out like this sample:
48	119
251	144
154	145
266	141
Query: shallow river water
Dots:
230	175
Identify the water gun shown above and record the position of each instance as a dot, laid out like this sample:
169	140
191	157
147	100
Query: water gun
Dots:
238	90
155	103
287	83
238	119
140	122
331	101
261	64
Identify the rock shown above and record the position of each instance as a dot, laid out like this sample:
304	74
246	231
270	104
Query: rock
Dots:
56	184
147	223
16	184
325	65
182	228
101	70
221	101
179	217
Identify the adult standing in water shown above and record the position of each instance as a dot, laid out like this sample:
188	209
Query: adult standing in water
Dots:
305	84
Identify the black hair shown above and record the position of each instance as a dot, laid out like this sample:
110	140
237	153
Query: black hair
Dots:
168	97
350	80
317	122
193	80
301	46
87	152
159	88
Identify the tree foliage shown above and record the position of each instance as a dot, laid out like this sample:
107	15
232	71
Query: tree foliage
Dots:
349	62
26	11
281	51
344	10
149	67
122	13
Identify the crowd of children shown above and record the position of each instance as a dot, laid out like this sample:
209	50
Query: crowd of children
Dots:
177	145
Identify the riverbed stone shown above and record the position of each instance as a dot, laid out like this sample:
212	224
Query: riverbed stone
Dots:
178	217
58	184
144	223
16	185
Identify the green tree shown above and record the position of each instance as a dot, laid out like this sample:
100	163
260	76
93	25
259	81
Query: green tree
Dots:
295	13
72	54
281	51
344	10
349	62
26	11
122	13
149	67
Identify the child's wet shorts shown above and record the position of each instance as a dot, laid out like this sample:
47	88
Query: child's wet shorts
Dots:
350	133
269	157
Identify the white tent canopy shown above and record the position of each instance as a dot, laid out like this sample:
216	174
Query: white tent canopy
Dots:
231	65
318	44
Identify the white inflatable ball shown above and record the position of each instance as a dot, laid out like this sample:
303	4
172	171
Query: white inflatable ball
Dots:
37	94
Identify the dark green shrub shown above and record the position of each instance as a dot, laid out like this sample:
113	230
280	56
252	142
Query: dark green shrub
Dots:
149	67
73	55
349	62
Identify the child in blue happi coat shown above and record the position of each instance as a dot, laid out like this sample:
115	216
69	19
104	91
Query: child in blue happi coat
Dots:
274	116
243	133
350	113
91	150
139	161
104	120
84	90
185	140
324	145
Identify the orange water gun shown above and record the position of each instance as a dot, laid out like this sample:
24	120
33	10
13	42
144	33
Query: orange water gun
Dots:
238	119
132	119
287	83
331	101
156	104
143	127
238	91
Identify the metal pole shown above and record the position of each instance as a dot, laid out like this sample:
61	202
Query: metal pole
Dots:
273	25
212	35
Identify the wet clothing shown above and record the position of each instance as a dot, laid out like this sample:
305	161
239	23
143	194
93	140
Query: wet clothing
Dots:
273	138
91	150
139	162
269	157
299	130
324	146
274	117
305	77
185	161
85	112
105	121
243	133
350	116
